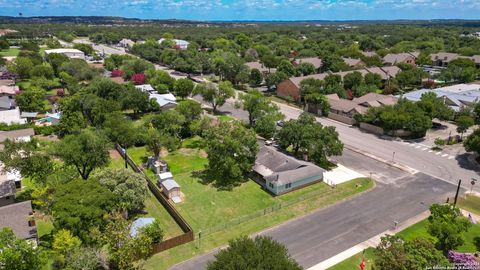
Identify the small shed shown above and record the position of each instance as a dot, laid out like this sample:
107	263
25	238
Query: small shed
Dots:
164	176
170	188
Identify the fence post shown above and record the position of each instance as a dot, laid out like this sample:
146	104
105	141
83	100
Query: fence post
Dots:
199	239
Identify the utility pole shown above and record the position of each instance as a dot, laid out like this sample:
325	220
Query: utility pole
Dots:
393	156
458	190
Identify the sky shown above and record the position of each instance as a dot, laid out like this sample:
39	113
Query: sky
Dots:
249	9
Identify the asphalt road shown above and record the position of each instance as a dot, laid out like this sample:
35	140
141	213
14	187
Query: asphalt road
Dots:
416	156
324	233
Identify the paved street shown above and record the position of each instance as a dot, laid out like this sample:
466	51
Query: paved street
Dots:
415	155
320	235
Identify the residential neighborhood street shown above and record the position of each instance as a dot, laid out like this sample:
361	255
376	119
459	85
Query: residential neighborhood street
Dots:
320	235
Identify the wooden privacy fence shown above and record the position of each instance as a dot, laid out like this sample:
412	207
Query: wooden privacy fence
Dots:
187	235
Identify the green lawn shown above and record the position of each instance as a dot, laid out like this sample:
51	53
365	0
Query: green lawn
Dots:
153	207
206	207
44	226
10	52
470	203
415	231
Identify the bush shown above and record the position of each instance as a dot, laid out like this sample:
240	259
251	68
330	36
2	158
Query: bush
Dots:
116	73
44	130
439	142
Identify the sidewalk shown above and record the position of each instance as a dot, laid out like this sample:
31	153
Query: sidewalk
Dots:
372	242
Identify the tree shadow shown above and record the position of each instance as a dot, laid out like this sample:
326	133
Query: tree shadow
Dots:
205	177
464	162
476	242
197	144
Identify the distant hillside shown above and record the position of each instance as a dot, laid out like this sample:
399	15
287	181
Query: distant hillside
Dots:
85	20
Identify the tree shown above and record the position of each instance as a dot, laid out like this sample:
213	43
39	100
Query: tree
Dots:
447	224
119	129
373	79
287	68
86	151
136	100
27	158
22	66
261	253
80	205
4	44
464	122
472	143
410	77
169	122
310	86
183	88
64	241
79	69
216	96
394	253
84	258
435	107
231	150
191	111
305	69
273	79
85	48
157	139
18	254
153	231
31	100
255	77
306	135
43	70
129	188
318	100
123	249
352	80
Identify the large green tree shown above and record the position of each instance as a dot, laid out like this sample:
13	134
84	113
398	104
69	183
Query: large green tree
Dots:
215	95
31	100
128	187
18	254
260	253
80	205
86	151
394	253
231	150
472	143
447	224
183	88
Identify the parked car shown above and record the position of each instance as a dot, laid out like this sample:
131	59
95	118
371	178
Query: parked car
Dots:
280	123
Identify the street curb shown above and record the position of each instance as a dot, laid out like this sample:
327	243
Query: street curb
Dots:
389	163
372	242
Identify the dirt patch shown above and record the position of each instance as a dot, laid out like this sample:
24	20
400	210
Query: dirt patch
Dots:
164	152
114	154
186	151
202	153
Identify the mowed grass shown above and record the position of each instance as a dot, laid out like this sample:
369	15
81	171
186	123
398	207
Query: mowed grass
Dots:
418	230
44	226
470	203
354	261
153	207
10	52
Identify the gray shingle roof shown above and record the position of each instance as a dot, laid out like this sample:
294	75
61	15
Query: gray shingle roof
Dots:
14	134
15	216
315	61
281	168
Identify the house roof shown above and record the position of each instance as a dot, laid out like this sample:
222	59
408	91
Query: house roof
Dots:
278	167
165	175
315	61
15	134
28	114
395	58
15	216
343	105
385	72
9	90
170	184
7	186
164	99
63	50
6	103
11	116
259	66
369	54
352	61
145	87
444	56
376	100
140	223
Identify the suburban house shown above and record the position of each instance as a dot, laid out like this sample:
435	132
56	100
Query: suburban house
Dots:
291	86
126	43
262	68
344	110
19	135
7	190
7	103
315	61
179	43
164	176
12	116
145	88
9	90
70	53
369	54
19	217
280	173
392	59
353	62
455	96
166	101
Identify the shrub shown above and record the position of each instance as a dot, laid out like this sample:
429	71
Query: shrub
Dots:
138	78
116	73
439	142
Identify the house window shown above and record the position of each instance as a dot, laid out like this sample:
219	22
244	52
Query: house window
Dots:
289	185
270	185
8	197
